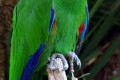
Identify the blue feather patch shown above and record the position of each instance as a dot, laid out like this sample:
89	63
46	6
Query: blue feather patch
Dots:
83	32
86	23
51	20
87	16
32	64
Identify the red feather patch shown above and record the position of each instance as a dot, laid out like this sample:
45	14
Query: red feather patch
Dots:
81	28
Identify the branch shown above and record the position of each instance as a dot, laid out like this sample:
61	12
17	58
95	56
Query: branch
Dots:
59	74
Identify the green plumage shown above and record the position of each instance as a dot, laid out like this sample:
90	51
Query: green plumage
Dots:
31	20
63	37
69	16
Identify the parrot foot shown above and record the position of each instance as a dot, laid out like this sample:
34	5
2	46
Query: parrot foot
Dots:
71	58
53	57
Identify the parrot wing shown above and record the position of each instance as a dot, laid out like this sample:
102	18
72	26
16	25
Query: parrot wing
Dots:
31	20
82	31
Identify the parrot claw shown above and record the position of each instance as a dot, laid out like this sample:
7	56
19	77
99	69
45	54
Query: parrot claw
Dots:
71	58
53	57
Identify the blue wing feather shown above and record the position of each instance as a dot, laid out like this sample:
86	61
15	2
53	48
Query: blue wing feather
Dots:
86	23
84	32
32	63
51	19
87	17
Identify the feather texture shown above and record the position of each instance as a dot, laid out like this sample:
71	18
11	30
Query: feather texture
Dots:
31	20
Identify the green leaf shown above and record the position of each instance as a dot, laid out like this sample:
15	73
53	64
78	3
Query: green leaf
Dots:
87	59
107	55
99	35
84	75
95	7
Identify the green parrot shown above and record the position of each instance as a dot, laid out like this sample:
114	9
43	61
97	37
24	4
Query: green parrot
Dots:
41	28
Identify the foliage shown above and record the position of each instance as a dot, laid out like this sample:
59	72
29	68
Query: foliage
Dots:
104	16
116	77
